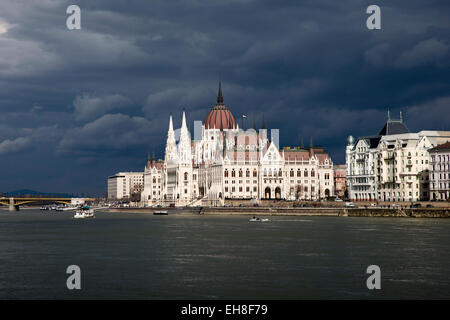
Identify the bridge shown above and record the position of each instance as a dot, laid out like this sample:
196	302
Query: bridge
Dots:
15	202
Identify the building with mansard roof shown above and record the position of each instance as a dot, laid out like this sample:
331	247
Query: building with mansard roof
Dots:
225	162
393	165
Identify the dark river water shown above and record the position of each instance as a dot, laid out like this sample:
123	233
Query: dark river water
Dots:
141	256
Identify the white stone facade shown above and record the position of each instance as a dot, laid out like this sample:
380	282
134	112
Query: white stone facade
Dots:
123	184
228	163
392	166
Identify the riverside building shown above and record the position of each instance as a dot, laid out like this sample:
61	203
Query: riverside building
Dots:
393	165
124	184
225	162
440	172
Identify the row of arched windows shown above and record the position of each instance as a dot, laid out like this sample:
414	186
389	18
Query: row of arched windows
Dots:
240	173
299	173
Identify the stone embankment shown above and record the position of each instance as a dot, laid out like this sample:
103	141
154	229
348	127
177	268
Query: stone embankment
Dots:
283	211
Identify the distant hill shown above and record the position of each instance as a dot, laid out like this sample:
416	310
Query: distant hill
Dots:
27	192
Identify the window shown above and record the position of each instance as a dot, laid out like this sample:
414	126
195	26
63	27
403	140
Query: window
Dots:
185	176
312	173
233	173
292	173
305	174
226	173
240	173
299	173
247	173
255	174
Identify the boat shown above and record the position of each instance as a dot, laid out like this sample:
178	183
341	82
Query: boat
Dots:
258	219
161	213
84	212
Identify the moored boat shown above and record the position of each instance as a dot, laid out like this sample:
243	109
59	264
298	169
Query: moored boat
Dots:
84	212
258	219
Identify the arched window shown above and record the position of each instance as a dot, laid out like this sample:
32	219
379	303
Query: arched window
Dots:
292	173
247	173
226	173
240	173
233	173
280	173
299	173
305	174
312	173
154	179
185	176
255	174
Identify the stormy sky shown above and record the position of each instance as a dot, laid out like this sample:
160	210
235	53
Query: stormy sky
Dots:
79	105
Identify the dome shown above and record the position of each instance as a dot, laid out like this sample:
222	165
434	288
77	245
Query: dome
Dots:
220	117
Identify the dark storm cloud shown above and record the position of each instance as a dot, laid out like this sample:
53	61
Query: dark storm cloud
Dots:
98	99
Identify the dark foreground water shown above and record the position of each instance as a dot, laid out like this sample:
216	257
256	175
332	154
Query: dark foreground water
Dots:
141	256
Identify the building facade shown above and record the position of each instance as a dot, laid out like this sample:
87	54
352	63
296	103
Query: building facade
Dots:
440	172
393	165
361	161
124	184
340	181
225	162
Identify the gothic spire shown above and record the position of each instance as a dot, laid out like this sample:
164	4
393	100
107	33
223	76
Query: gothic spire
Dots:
170	123
183	123
219	95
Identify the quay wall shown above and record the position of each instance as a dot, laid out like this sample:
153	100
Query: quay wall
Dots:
282	211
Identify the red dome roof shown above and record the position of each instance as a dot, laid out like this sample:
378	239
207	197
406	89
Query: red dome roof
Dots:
220	117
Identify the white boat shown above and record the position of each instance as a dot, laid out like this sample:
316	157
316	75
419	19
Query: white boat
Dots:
84	212
257	219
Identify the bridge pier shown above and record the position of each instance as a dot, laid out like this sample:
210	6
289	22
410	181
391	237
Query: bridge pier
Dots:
12	207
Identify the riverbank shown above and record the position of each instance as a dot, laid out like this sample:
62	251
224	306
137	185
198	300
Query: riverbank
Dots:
338	212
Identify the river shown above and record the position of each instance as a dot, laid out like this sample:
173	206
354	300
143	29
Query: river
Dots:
142	256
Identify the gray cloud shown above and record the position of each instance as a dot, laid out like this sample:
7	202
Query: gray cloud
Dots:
111	134
12	146
88	107
312	67
428	51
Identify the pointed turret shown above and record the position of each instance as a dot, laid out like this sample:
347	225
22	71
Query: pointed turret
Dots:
149	162
219	95
184	147
171	145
